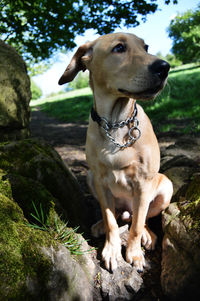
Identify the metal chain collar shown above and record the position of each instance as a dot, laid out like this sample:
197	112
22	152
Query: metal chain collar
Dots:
107	127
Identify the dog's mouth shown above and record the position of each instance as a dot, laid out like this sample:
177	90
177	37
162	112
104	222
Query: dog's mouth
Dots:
146	94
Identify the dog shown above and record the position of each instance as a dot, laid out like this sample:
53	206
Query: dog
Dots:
121	148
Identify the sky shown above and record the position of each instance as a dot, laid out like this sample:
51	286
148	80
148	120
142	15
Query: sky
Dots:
153	31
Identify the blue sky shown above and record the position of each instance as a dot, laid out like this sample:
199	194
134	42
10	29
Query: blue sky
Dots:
153	31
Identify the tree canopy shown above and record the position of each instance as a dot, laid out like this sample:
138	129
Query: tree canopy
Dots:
38	28
184	30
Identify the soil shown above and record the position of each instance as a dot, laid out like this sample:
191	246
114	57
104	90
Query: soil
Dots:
67	138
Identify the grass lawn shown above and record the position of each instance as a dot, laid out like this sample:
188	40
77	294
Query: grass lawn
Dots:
72	106
178	103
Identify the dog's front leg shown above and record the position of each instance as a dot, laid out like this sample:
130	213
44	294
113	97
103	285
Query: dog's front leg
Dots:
134	253
112	247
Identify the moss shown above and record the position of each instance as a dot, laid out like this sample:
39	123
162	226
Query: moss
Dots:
20	255
25	191
5	187
36	160
21	258
190	205
15	155
30	171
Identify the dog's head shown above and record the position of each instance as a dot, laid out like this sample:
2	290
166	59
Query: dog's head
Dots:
119	64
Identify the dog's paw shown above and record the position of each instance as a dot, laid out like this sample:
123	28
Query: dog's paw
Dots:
98	229
111	254
148	239
135	256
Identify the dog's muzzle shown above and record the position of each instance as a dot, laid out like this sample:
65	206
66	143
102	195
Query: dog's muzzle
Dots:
160	69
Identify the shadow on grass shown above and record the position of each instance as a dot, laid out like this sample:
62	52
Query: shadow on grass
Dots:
75	109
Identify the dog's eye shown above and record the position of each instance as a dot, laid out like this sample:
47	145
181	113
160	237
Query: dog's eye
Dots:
119	48
146	47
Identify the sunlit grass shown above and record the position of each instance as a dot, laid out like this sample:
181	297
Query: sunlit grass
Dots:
180	100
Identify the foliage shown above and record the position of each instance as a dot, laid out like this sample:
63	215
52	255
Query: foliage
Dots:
170	58
38	28
36	68
185	33
81	81
35	90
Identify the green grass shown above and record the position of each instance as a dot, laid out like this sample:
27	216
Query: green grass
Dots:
176	108
58	230
72	106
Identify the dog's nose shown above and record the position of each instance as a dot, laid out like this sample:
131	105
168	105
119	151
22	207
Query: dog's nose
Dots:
160	68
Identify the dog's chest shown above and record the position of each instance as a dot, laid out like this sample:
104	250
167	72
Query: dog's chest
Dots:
122	170
119	184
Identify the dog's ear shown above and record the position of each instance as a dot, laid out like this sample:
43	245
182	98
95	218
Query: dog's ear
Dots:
78	62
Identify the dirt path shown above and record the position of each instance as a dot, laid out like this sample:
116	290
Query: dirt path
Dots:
67	138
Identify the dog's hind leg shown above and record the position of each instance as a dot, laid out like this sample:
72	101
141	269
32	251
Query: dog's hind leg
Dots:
90	182
98	229
160	202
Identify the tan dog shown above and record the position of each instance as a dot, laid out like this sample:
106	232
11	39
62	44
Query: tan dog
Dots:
122	150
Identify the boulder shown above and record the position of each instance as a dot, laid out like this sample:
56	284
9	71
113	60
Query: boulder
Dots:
34	167
69	279
181	245
15	95
35	187
180	268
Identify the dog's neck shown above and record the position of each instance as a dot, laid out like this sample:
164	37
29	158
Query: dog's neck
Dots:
112	107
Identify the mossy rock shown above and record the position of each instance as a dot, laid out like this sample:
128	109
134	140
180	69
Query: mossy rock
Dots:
32	175
15	95
181	245
33	168
21	259
190	206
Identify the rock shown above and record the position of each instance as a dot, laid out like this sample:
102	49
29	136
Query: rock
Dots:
184	151
34	166
179	177
21	258
33	263
15	95
68	280
123	284
179	161
181	245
